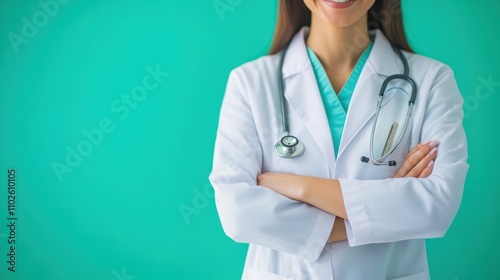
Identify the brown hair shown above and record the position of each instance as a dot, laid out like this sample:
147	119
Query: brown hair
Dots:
385	15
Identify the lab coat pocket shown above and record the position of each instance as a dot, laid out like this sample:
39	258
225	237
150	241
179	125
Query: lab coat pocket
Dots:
257	274
424	275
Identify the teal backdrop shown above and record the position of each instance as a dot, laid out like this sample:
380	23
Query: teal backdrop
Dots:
108	115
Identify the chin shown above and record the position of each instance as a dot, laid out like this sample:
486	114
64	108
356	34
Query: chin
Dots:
344	17
338	21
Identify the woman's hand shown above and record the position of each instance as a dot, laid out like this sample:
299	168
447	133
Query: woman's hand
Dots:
420	161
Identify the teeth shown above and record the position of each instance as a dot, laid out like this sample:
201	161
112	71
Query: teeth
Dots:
339	1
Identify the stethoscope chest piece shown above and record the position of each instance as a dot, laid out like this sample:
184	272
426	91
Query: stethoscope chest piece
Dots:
289	147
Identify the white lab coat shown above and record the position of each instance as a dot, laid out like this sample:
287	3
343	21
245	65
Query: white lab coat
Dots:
389	219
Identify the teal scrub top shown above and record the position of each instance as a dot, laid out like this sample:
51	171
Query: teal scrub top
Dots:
336	105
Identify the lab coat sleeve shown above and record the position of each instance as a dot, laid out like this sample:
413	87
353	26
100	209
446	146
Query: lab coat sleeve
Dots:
250	213
397	209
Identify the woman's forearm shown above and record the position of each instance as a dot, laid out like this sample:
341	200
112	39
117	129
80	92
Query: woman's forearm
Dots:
338	232
324	194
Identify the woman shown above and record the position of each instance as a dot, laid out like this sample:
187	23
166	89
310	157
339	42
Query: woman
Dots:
326	214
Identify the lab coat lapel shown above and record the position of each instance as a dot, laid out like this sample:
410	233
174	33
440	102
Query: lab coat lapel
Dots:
362	106
303	96
382	62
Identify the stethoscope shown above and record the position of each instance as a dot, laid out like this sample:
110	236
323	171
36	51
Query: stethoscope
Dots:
290	146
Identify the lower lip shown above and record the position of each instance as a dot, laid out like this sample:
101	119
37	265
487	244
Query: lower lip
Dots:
339	5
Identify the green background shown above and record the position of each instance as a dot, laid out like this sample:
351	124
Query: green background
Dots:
118	214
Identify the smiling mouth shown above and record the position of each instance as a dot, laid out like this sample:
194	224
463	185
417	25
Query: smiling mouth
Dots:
339	4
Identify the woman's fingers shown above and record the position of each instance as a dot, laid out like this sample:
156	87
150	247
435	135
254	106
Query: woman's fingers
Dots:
427	161
417	157
427	171
415	149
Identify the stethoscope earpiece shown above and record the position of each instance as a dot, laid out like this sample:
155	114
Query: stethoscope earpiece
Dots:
390	162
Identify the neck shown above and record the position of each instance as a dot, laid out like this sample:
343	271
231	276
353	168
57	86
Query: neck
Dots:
338	48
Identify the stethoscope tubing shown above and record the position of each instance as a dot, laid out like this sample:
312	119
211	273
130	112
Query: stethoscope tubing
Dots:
405	76
284	121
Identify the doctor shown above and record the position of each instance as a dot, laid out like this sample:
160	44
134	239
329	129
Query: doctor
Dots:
325	214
